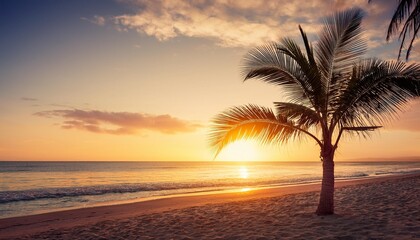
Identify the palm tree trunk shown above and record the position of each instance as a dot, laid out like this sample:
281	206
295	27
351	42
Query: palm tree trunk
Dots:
326	200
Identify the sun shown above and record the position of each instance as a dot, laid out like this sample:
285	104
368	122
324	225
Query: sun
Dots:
240	151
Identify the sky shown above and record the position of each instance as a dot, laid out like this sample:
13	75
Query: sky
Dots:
142	80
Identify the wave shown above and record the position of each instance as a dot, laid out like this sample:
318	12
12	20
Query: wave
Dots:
28	195
401	171
353	175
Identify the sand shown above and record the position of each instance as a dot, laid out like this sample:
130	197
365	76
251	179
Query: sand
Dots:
379	208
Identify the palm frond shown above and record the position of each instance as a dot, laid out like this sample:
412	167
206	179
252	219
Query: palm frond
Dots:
402	11
308	47
377	92
359	130
340	42
252	121
405	12
310	80
410	46
340	46
303	116
410	27
268	64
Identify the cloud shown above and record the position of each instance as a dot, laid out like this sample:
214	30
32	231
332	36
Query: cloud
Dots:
28	99
118	123
242	23
164	21
98	20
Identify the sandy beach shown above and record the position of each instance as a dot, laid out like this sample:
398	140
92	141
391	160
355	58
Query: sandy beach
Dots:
376	208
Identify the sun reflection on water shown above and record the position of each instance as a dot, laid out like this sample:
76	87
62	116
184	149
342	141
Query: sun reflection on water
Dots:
247	189
243	172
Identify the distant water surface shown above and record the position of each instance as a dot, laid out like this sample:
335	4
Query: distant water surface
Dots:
34	187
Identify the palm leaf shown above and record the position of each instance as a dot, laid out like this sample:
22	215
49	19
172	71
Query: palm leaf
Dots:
362	129
268	64
359	130
252	121
376	92
411	26
303	116
310	80
340	46
340	42
410	46
402	11
308	47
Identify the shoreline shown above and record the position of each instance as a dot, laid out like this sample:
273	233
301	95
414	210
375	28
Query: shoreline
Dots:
32	224
206	192
37	193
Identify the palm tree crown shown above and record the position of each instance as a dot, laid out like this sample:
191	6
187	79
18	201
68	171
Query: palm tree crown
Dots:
328	85
329	90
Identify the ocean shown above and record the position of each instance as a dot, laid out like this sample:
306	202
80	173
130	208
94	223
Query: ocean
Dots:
37	187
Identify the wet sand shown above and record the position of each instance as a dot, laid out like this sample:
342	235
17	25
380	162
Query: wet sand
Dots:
375	208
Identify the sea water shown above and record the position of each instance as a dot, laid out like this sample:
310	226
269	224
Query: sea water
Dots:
35	187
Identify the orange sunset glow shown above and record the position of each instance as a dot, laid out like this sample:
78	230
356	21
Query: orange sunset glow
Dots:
104	84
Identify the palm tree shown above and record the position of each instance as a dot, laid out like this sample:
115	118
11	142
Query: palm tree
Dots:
408	10
330	91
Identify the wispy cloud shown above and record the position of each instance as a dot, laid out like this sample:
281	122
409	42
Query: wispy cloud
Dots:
28	99
241	23
119	122
98	20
